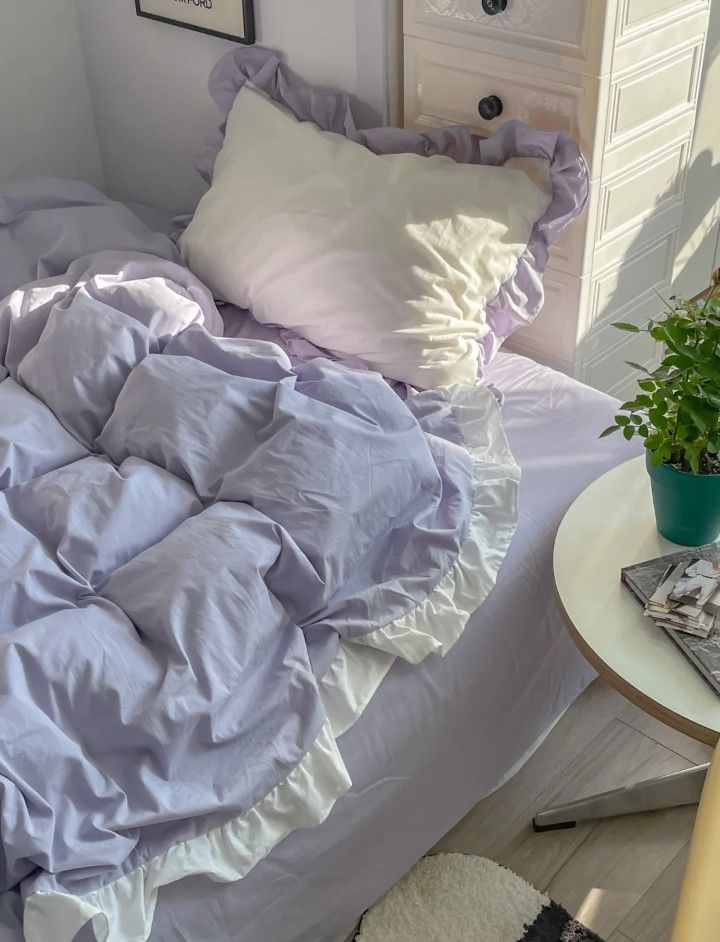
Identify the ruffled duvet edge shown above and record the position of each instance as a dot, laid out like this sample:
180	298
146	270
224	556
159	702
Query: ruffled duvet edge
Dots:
433	626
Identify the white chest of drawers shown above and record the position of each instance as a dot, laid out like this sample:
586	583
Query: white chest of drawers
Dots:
622	76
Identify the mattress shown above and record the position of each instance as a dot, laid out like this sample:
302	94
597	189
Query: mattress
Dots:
434	740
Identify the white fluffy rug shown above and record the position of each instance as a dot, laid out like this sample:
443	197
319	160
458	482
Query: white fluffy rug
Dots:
463	898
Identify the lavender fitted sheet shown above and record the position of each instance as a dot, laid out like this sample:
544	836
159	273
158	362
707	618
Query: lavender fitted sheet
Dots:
432	741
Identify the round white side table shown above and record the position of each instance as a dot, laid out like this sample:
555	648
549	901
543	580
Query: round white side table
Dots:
611	525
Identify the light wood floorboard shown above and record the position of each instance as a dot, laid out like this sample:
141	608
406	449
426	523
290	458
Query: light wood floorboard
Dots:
620	876
651	918
696	752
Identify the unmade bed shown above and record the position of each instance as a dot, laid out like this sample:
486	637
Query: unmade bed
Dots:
433	741
247	600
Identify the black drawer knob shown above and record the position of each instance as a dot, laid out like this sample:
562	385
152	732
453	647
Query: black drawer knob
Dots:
493	7
490	107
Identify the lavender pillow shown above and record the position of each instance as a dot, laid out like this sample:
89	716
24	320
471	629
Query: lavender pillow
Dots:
519	299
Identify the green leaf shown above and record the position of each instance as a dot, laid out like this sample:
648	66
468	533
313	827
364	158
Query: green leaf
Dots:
712	398
647	384
609	431
637	366
703	416
628	432
679	346
622	420
630	328
711	369
658	418
636	419
657	332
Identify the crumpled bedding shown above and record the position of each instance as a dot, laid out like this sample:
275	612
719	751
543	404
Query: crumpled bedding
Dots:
190	525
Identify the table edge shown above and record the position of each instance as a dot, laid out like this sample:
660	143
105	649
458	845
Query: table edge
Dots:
677	721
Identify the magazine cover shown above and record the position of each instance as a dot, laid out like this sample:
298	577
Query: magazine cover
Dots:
643	579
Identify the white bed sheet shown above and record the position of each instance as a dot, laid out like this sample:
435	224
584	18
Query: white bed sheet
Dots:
435	739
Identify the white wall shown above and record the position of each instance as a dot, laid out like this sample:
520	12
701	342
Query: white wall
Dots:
46	120
149	82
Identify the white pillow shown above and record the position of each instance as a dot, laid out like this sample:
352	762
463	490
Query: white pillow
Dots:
388	258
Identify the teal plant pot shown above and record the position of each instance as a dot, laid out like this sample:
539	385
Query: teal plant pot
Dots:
687	506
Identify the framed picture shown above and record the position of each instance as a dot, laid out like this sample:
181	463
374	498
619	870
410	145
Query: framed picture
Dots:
229	19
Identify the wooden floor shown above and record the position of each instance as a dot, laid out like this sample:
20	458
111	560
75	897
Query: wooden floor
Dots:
621	877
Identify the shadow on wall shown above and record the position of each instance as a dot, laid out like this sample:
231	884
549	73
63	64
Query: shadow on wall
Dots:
699	242
649	259
682	225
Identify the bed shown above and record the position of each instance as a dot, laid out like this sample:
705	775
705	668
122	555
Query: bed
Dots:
415	737
433	740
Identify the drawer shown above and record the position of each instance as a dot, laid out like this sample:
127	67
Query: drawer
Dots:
597	343
637	18
610	372
444	85
615	291
650	98
565	34
648	188
552	336
625	212
636	207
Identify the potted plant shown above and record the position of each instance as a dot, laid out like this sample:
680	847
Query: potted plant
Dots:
677	414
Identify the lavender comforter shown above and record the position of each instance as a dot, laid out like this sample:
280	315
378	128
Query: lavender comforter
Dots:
190	526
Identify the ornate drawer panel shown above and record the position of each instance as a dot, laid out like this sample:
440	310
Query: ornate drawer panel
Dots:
445	84
615	290
645	99
607	337
638	17
638	205
553	333
631	197
610	371
684	25
566	34
597	241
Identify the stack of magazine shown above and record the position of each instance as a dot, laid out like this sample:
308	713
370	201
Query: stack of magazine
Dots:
681	593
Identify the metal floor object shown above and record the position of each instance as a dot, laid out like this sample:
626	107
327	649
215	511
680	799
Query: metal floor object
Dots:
667	791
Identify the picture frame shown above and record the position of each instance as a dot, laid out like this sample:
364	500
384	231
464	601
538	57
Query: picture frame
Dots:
228	19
